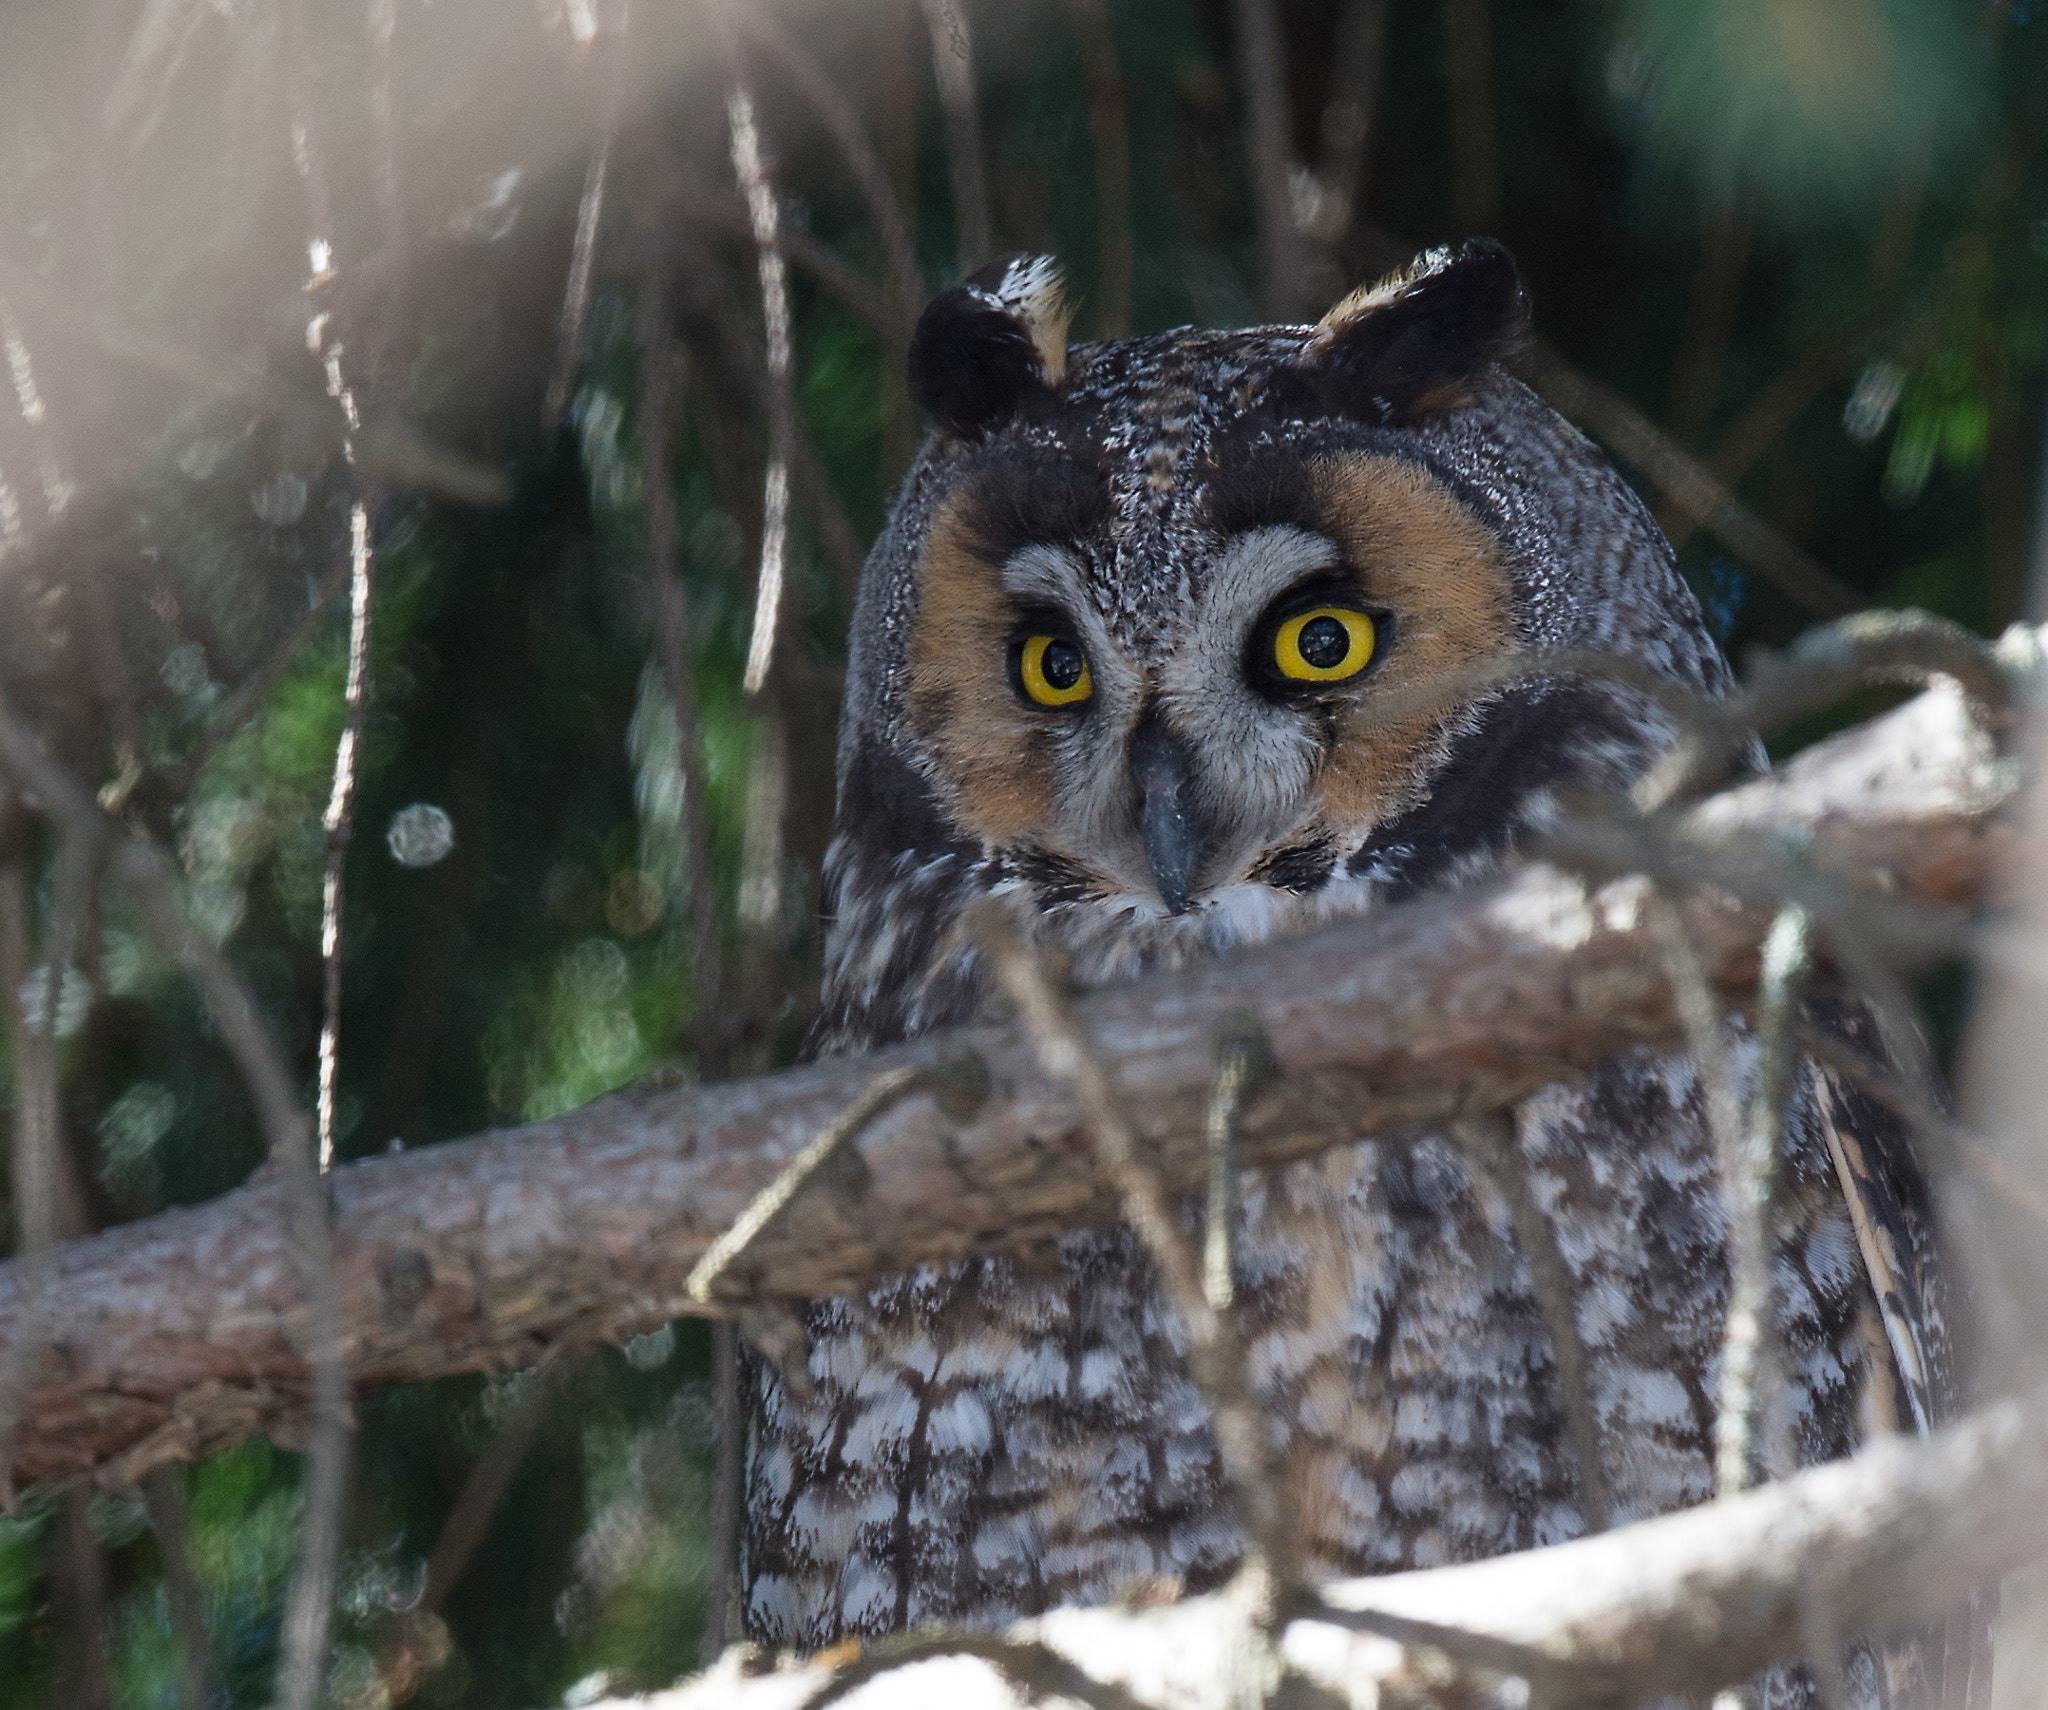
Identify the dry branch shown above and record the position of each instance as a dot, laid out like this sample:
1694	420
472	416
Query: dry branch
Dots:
182	1333
1263	72
1684	1603
1690	485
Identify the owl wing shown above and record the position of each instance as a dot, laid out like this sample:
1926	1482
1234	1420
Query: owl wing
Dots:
1891	1207
1895	1236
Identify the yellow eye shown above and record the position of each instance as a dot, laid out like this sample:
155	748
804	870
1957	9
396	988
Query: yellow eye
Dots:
1324	645
1053	671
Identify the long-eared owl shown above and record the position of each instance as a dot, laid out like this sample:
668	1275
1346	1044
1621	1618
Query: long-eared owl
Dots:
1147	647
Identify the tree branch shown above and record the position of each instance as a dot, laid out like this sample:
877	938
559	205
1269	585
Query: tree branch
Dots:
184	1332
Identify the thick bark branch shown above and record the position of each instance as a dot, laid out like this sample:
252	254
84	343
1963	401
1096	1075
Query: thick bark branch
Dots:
179	1334
1685	1603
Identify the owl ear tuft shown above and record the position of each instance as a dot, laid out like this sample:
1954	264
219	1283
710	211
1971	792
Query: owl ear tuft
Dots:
1409	345
985	346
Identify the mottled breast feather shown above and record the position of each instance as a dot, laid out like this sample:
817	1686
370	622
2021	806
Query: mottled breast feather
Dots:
981	1441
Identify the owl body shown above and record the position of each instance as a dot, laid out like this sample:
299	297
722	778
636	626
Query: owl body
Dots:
1193	641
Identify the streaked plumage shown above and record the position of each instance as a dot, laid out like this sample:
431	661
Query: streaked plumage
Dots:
982	1441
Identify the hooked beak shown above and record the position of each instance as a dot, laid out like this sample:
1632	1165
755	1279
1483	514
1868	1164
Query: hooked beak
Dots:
1162	765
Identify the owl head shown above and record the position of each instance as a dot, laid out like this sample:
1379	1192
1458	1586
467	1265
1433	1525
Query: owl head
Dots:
1154	637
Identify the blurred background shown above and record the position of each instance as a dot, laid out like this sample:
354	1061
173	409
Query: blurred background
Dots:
619	300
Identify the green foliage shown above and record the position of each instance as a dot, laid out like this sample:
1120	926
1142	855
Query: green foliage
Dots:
1814	107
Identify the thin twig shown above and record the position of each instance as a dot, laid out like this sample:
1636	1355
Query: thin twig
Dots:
1767	416
397	257
718	347
256	688
1763	872
695	205
1345	132
856	152
389	445
469	1520
589	219
825	265
1252	1468
1036	1668
339	820
1492	1140
324	341
1244	1061
1749	1186
116	686
34	1011
721	1599
672	651
1109	113
138	866
1475	146
187	622
882	1094
1688	483
953	67
1823	665
79	1603
1706	1034
762	212
576	293
163	1499
57	487
1262	70
1709	318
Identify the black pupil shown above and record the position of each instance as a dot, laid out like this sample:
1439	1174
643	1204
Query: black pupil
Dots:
1324	642
1061	663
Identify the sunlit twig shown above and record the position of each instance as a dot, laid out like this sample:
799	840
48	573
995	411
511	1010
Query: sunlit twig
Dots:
309	1600
827	1150
766	221
856	152
1749	1182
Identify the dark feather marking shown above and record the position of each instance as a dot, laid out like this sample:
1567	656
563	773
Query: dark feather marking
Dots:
1297	867
1529	740
974	366
1056	879
1259	489
899	814
1029	496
